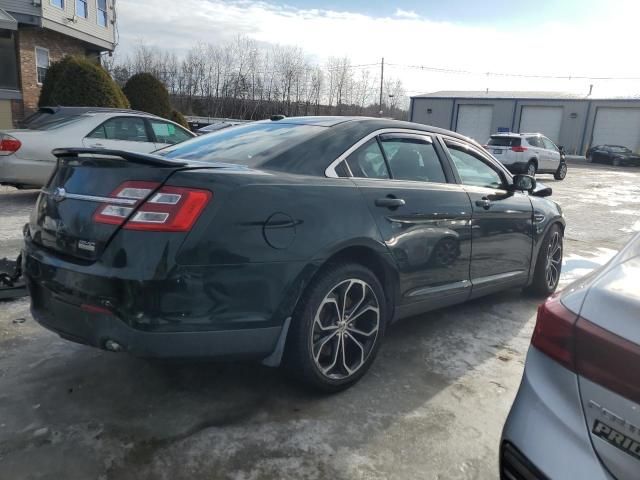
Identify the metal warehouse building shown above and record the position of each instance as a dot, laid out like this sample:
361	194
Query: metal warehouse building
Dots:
574	121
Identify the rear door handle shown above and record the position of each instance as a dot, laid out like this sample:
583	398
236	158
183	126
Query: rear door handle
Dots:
484	203
390	202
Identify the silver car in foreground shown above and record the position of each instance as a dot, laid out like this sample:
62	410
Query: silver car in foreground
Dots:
577	413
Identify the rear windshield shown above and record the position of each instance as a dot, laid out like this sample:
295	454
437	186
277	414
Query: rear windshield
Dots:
505	141
243	144
55	121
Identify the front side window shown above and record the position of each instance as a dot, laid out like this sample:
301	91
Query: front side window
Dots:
472	169
42	64
58	3
368	162
82	9
102	13
129	129
413	159
168	133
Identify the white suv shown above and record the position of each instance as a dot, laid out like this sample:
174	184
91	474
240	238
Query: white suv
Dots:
528	153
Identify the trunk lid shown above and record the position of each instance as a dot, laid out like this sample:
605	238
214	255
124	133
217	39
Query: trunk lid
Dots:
607	355
83	181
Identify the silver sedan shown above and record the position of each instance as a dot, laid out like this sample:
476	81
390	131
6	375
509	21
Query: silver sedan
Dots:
577	413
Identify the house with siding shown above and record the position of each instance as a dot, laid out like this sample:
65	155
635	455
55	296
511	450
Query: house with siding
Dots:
35	33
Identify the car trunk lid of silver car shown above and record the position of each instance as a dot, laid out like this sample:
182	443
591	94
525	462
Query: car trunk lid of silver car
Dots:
607	356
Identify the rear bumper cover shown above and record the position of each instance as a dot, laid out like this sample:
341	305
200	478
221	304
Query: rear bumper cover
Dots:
95	329
547	426
185	315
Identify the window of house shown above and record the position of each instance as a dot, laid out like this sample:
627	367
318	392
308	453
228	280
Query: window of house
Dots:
103	17
58	3
9	70
42	63
82	9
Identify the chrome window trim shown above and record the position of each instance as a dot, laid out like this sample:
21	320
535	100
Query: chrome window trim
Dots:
330	171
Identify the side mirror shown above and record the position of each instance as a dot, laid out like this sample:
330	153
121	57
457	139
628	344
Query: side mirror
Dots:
561	148
525	183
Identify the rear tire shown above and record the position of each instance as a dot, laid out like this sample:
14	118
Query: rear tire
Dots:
549	264
589	159
561	173
532	168
337	328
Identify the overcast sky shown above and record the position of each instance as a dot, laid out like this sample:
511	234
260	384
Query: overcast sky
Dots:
562	37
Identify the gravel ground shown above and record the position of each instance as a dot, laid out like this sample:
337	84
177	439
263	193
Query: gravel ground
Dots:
432	406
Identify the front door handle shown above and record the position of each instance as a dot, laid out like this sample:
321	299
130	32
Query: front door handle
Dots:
390	202
97	145
484	203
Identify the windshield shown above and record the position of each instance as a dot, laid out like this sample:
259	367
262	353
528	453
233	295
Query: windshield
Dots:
244	144
504	142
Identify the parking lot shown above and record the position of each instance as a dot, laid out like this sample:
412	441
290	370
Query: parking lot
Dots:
432	407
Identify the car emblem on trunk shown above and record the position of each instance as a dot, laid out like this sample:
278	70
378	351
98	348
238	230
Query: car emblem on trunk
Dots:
59	194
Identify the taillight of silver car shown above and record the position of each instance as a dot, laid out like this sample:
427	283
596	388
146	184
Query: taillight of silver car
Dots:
587	349
156	209
8	144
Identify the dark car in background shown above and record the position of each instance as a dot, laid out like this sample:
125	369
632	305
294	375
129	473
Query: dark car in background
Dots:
297	240
616	155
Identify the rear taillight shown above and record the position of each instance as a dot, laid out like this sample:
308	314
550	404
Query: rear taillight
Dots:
8	144
519	149
554	332
150	208
587	349
607	359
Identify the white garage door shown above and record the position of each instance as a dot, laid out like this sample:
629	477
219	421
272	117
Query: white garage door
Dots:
545	120
475	121
617	126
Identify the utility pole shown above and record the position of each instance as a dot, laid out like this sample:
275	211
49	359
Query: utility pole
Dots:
381	83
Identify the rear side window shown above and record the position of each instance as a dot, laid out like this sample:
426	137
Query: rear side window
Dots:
505	141
535	142
413	159
368	162
129	129
249	144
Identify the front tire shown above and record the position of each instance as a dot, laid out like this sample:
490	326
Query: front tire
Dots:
616	162
337	328
549	264
561	173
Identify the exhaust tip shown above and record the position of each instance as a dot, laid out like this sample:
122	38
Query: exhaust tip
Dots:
113	346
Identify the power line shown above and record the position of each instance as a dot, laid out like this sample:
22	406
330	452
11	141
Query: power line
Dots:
505	74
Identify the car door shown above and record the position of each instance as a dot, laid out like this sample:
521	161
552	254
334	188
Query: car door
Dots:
423	218
121	133
552	154
167	133
502	222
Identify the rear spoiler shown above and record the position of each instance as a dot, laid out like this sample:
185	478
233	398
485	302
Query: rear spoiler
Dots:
133	157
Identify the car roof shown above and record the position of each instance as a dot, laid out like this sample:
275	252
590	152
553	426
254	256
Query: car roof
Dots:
83	110
514	134
374	123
